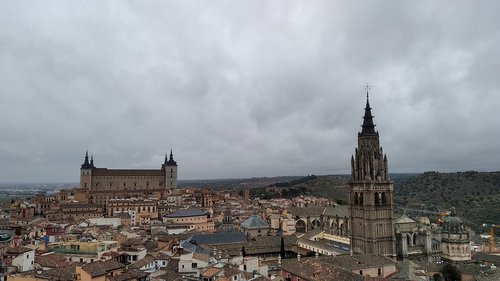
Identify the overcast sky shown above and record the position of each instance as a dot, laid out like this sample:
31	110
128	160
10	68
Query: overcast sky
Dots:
246	88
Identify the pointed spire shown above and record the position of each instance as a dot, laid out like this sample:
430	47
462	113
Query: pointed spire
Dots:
92	161
171	161
368	126
86	164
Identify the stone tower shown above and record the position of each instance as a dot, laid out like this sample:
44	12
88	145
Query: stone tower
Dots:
86	172
371	194
170	167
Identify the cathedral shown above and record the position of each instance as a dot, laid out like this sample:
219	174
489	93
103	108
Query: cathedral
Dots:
371	194
373	227
98	185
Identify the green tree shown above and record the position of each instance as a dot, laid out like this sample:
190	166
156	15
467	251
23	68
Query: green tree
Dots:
451	273
437	277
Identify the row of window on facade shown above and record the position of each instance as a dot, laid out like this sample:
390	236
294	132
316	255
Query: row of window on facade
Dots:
149	209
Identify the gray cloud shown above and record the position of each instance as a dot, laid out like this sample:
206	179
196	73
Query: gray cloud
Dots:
246	88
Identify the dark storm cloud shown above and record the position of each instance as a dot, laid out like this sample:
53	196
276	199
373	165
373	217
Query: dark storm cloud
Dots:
245	88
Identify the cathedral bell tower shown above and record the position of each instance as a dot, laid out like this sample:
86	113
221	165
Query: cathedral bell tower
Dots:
371	194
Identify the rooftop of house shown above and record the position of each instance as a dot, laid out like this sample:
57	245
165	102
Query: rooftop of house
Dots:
186	213
99	268
358	261
130	274
18	250
318	270
211	271
52	260
143	262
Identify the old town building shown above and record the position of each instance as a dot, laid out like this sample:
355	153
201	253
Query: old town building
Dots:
141	211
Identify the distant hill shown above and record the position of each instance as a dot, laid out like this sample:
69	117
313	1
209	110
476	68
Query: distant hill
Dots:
331	186
220	184
475	195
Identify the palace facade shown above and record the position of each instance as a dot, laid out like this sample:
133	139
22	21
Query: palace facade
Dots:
99	185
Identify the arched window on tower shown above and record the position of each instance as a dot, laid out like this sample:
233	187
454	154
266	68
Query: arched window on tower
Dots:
376	198
356	201
361	198
384	198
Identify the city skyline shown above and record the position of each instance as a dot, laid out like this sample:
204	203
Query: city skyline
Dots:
246	89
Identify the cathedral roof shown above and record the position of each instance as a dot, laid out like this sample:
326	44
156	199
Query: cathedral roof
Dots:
404	219
254	222
186	213
218	238
332	211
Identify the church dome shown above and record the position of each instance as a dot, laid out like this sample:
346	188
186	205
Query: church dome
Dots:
453	224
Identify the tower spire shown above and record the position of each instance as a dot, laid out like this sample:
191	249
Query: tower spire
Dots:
371	192
170	161
86	164
368	126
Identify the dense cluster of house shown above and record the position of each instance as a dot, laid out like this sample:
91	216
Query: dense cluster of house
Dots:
232	239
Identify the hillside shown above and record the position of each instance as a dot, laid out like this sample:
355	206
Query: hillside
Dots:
331	186
227	184
475	195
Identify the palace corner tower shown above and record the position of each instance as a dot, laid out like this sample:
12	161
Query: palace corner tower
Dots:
371	194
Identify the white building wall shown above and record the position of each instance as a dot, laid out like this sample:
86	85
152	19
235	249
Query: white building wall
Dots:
25	261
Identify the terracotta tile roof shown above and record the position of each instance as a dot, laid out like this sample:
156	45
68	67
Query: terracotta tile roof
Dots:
65	273
18	250
211	272
357	261
52	261
231	271
131	274
146	260
172	270
315	269
99	268
186	213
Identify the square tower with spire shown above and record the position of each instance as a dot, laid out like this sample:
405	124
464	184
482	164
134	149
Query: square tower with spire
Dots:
371	194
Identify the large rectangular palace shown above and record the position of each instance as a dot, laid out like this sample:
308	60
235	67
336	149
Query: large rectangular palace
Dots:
99	185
